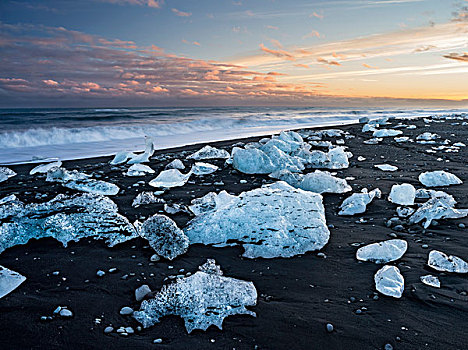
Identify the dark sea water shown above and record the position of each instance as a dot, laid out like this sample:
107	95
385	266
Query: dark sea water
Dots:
34	134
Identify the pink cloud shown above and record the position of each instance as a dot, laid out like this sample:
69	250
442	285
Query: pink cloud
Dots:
181	13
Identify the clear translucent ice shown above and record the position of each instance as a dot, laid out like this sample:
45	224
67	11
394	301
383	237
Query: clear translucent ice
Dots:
6	173
200	168
357	202
438	207
44	168
65	218
9	281
430	280
403	194
272	221
170	178
443	262
209	152
206	298
382	252
389	281
438	178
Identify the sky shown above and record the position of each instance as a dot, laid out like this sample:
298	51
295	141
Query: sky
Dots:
59	53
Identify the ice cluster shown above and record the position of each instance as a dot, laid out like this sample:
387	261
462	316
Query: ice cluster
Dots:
439	178
9	281
382	252
65	218
438	207
442	262
203	299
357	202
430	280
389	281
275	220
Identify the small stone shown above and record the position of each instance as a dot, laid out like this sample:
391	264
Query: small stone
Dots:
388	347
154	258
108	330
461	225
141	292
100	273
329	327
157	341
112	270
66	313
126	311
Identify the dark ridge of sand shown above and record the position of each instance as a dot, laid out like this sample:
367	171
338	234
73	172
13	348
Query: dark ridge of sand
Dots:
297	296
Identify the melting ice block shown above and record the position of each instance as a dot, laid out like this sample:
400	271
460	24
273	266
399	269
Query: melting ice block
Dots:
200	168
386	167
139	170
206	298
389	281
252	161
357	202
210	202
323	182
170	178
403	194
145	156
65	218
146	198
9	281
176	164
437	208
122	157
164	236
275	220
44	168
439	178
386	133
430	280
6	173
209	152
382	252
442	262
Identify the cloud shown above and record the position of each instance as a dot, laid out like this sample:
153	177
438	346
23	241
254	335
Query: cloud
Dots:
316	15
457	56
150	3
369	66
329	62
301	65
181	13
312	34
276	43
272	27
278	53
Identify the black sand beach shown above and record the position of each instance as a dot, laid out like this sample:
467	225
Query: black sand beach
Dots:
297	296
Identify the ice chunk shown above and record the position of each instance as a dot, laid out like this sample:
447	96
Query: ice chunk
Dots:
403	194
210	201
6	173
424	193
336	158
146	198
164	236
357	202
122	157
209	152
9	281
139	170
65	218
437	208
44	168
402	139
145	156
200	168
389	281
206	298
281	160
441	262
427	136
63	175
176	164
94	186
170	178
323	182
272	221
252	161
386	133
386	167
430	280
404	212
438	178
382	252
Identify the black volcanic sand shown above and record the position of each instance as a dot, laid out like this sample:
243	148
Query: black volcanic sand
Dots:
297	296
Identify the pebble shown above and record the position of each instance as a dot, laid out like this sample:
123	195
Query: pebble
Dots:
100	273
66	313
108	330
141	292
157	341
388	347
126	311
329	327
461	225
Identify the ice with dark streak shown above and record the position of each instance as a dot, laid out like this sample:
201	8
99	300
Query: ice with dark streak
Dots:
275	220
65	218
203	299
9	281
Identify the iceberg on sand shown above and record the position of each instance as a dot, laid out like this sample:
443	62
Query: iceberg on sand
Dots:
170	178
403	194
442	262
439	178
357	202
9	281
382	252
209	152
6	173
389	281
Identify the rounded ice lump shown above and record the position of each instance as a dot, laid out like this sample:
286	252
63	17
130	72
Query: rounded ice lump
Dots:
382	252
439	178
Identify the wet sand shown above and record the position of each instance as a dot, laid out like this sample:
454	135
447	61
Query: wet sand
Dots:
297	296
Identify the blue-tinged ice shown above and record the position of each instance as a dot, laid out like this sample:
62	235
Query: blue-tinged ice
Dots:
382	252
163	235
386	133
429	280
122	157
6	173
206	298
357	202
65	218
437	208
210	202
44	168
200	168
143	198
439	178
275	220
252	161
9	281
209	152
176	164
442	262
386	167
145	156
389	281
403	194
170	178
139	170
318	181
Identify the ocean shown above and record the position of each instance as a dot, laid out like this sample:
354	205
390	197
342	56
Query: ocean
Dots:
33	135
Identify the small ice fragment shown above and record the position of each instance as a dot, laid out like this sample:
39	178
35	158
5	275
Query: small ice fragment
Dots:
93	186
439	178
386	167
170	178
389	281
126	310
382	252
323	182
164	236
402	139
459	144
209	152
9	281
427	136
386	133
430	280
139	170
6	173
44	168
122	157
66	313
361	158
203	299
442	262
176	164
146	198
200	168
403	194
357	202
